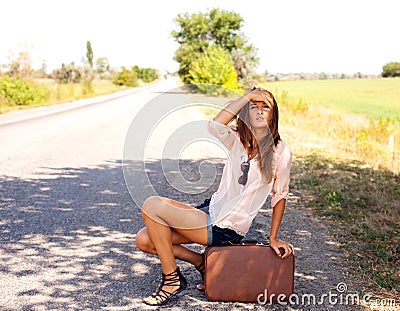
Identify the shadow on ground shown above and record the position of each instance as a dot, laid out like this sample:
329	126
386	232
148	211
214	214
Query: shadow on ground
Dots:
68	242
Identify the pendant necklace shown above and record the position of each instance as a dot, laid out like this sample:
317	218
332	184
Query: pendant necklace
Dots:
249	156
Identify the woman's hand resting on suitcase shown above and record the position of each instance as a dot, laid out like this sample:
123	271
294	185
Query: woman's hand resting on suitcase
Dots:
278	246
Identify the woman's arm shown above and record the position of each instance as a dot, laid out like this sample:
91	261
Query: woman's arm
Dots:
226	114
277	214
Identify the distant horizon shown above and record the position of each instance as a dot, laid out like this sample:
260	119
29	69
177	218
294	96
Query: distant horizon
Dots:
81	64
163	70
311	36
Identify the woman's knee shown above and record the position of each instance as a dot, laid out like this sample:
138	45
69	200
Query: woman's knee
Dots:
150	204
143	241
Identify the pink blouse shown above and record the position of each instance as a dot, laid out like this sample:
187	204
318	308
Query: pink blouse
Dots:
234	206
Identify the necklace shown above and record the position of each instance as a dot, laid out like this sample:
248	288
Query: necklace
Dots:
252	155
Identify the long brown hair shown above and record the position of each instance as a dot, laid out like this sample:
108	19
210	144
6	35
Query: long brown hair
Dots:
265	146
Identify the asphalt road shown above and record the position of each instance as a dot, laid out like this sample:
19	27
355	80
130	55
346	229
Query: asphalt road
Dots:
68	220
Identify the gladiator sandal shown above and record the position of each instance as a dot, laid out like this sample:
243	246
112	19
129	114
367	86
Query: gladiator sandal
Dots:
162	296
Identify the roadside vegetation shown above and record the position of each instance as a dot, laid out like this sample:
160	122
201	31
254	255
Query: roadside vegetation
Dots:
22	87
18	94
213	50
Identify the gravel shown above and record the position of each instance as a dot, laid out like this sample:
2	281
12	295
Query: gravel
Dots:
68	222
71	247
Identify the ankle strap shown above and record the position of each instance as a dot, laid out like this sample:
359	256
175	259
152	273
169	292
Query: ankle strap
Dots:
173	278
173	273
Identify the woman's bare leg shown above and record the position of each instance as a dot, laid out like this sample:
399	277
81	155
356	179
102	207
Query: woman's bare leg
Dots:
144	243
163	216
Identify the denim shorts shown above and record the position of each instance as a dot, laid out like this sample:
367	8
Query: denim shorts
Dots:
218	235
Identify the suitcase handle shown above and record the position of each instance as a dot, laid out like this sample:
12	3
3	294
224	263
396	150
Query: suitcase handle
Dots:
255	242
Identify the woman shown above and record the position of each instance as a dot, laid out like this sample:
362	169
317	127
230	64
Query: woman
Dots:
259	163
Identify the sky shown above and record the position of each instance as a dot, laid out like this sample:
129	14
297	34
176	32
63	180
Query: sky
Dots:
291	36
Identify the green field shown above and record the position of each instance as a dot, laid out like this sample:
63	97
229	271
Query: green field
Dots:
375	98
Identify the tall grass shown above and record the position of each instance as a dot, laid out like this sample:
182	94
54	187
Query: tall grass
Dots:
67	92
361	205
49	92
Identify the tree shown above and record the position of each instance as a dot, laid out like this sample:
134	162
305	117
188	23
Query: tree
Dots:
199	31
20	65
391	70
102	65
146	74
89	53
215	66
67	74
126	77
245	61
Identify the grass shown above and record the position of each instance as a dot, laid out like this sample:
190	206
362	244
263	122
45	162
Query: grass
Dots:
60	93
375	98
348	136
363	208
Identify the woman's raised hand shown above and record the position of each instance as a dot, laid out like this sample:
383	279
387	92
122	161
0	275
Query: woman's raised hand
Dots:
256	96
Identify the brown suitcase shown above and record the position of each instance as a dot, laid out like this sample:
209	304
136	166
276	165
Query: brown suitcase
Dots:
248	272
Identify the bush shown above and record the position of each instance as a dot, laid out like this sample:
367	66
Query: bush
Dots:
391	70
215	67
149	74
146	74
126	77
67	74
15	91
